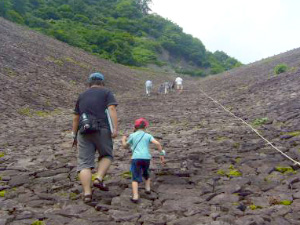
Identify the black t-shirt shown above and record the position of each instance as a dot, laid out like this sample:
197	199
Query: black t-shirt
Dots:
94	101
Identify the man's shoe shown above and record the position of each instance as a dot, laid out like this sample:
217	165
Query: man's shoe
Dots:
99	184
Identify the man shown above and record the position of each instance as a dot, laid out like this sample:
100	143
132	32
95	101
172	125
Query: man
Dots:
179	85
90	112
148	85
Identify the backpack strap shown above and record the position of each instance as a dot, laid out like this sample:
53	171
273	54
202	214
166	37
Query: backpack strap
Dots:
138	142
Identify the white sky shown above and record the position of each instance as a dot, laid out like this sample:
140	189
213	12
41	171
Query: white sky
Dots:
247	30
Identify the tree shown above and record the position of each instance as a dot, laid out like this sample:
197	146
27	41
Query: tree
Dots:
144	6
19	6
4	7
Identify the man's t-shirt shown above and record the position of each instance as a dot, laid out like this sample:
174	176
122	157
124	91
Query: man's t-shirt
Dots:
140	144
178	80
95	101
148	83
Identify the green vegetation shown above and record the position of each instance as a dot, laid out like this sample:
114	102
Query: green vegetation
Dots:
122	31
38	222
2	193
2	154
286	202
260	121
280	68
230	172
293	133
26	111
126	175
254	207
285	170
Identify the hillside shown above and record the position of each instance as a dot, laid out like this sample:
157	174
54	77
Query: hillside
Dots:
218	171
122	31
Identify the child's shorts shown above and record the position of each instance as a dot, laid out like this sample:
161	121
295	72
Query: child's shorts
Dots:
139	169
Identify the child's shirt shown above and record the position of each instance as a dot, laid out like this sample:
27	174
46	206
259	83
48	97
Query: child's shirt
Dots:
139	142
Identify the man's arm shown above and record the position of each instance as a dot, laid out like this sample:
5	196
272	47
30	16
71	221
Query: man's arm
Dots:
75	128
162	152
113	114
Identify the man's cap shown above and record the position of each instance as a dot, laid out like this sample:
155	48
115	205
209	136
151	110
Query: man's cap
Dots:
96	76
141	123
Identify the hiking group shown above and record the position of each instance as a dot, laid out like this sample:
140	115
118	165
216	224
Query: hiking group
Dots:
165	87
95	124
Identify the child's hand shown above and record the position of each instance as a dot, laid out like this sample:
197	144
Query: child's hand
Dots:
162	159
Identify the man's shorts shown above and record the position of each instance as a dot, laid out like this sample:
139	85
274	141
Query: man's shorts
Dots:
139	169
89	143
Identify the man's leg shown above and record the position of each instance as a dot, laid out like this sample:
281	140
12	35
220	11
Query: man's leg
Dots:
85	177
147	184
103	166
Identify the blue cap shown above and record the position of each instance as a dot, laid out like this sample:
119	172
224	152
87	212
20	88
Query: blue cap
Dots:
96	76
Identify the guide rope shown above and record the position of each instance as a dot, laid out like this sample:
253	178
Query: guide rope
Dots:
281	152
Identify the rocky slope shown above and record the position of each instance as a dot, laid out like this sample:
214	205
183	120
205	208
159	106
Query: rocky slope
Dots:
218	171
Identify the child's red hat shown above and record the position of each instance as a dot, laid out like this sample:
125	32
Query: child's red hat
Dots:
141	123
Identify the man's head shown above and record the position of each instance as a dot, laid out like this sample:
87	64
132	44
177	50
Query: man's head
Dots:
96	79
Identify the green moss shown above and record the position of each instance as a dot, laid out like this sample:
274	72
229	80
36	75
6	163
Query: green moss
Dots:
26	111
260	121
236	145
73	196
2	193
126	175
293	133
2	154
38	222
285	170
286	202
231	172
42	113
54	60
221	138
9	72
221	172
234	173
238	160
254	207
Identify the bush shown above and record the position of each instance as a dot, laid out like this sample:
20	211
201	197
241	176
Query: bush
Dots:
280	68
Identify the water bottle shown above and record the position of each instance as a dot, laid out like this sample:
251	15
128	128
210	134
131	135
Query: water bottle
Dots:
85	121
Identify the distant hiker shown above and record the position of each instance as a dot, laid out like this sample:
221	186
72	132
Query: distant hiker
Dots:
179	85
139	142
148	85
167	87
92	130
161	89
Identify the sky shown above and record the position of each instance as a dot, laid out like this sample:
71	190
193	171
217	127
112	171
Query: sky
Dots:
248	30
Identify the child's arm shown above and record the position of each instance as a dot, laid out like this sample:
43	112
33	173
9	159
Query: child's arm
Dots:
162	152
124	142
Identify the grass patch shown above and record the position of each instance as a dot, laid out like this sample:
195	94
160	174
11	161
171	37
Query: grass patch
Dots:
254	207
2	154
260	121
285	170
38	222
126	175
26	111
230	172
286	202
54	60
293	133
2	194
9	72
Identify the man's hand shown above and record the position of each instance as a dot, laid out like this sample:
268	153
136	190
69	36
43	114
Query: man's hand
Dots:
74	136
162	160
114	134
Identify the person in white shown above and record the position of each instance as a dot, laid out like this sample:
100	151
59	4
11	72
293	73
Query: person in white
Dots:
179	85
148	85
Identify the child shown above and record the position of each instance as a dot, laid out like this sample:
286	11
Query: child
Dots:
139	142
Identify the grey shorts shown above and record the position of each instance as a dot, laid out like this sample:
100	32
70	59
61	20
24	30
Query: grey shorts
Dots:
89	143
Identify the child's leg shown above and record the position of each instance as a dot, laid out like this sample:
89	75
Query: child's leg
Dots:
135	190
147	184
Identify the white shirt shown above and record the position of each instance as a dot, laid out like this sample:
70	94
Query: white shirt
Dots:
148	83
178	80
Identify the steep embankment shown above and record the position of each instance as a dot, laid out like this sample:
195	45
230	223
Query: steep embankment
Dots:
217	172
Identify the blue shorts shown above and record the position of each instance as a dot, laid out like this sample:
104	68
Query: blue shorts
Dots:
139	169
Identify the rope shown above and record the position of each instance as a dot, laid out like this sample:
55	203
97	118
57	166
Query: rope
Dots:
281	152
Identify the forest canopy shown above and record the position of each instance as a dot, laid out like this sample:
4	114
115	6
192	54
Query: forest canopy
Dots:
122	31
